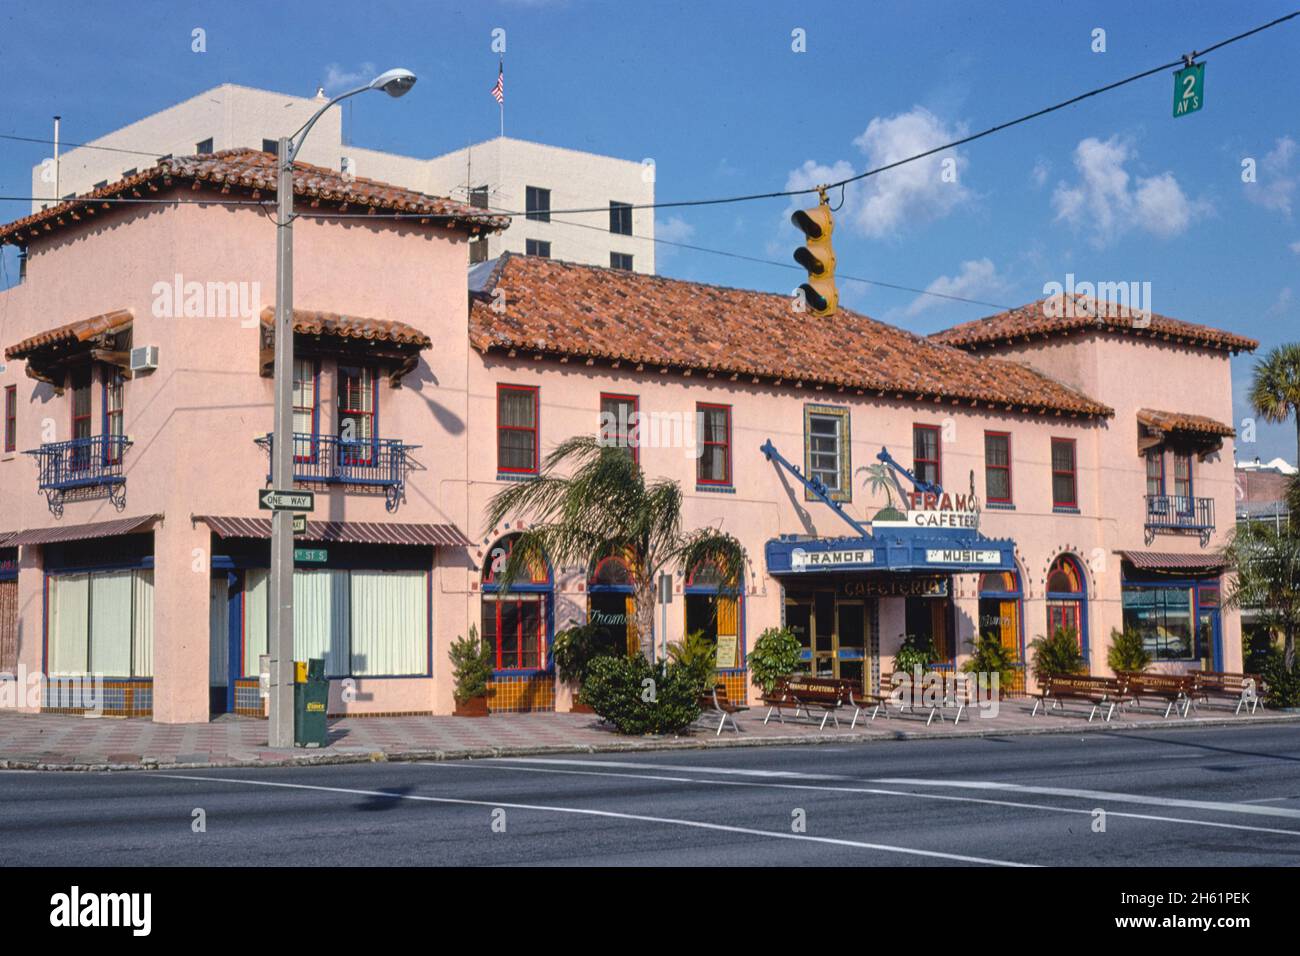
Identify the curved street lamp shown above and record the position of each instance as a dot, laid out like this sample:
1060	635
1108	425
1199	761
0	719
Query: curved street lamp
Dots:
280	631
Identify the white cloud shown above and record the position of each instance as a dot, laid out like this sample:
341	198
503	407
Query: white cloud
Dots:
1295	247
916	192
1275	183
674	229
338	79
1039	173
1281	304
977	277
1108	202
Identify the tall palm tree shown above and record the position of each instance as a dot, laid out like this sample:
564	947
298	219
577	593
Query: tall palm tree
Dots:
1275	387
602	504
1265	561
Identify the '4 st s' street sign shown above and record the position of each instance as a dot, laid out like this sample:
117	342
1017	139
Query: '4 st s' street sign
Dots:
1189	89
270	499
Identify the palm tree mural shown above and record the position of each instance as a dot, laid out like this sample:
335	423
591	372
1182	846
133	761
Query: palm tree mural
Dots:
880	478
1275	387
591	500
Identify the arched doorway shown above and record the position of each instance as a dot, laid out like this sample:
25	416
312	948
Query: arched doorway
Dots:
1000	615
517	624
713	606
1067	600
610	606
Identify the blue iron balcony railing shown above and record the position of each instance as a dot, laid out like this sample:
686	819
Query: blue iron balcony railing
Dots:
1179	513
82	465
331	459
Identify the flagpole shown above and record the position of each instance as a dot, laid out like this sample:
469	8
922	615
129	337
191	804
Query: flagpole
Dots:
502	72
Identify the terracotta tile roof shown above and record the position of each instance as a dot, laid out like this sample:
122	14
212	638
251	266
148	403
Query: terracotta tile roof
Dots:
308	322
343	532
1059	314
564	309
1182	422
252	171
82	532
78	331
1174	561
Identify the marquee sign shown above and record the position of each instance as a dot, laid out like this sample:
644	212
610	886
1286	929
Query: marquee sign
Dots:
946	511
802	559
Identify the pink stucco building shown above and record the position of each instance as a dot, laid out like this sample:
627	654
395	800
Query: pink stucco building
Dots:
1082	462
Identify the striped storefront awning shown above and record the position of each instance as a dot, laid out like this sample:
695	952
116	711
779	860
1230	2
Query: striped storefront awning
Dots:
1173	561
82	532
344	532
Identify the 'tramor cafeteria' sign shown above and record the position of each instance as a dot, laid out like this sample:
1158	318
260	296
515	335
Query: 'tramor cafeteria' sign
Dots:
937	511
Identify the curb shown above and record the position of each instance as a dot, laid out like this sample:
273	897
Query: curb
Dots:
622	745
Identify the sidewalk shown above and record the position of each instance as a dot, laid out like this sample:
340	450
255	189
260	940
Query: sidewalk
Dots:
57	742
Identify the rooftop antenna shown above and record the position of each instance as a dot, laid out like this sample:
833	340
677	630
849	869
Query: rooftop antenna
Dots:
56	158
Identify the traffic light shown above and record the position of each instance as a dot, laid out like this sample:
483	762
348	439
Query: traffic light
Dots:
817	256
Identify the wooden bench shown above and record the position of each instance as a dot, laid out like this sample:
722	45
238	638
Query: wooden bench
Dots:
1103	693
805	694
1241	688
958	692
1175	689
716	702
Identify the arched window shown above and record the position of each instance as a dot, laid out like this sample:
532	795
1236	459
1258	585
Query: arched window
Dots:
1000	617
610	605
1066	594
714	608
515	623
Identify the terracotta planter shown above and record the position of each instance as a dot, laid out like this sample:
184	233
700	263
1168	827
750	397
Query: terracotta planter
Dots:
474	707
577	707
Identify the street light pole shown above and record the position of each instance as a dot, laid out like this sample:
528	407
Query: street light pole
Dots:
280	627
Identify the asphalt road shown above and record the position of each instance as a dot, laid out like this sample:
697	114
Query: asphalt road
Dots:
1208	797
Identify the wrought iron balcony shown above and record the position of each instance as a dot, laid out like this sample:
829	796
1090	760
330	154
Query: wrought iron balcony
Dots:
80	467
380	463
1179	513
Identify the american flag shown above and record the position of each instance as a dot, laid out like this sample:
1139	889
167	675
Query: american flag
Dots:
499	91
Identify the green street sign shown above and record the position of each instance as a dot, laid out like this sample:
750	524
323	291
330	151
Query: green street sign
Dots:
1189	89
310	555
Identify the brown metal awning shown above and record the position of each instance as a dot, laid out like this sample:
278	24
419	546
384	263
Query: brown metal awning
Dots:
82	532
1198	433
344	532
1174	561
332	333
48	352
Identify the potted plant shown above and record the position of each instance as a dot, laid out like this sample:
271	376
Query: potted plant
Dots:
915	651
990	656
775	655
1058	654
471	667
1127	653
697	655
573	651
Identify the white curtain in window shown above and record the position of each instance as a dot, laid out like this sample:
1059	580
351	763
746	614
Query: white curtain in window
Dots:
321	618
69	623
218	634
110	623
257	586
142	627
389	622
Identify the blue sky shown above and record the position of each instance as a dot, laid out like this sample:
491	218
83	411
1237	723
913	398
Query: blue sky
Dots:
1114	189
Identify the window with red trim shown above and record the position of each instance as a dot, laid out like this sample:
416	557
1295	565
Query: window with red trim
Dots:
11	417
81	424
1065	492
515	625
925	454
714	465
517	407
1155	473
619	426
997	467
358	400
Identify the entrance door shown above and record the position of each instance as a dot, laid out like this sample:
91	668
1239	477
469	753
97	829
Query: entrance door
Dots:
824	660
798	621
1210	638
851	641
9	626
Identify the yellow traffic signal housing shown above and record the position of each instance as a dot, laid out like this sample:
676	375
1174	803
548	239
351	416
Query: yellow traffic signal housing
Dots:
817	256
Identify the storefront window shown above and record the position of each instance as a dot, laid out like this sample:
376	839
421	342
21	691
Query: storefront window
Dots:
1065	597
610	607
714	611
1162	614
101	623
514	622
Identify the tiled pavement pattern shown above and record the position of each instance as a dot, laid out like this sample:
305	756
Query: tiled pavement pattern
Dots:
56	741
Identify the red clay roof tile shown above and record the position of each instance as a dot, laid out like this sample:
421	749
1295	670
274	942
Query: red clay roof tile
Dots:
78	331
1183	422
310	322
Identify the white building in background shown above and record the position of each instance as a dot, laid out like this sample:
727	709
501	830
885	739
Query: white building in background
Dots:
505	174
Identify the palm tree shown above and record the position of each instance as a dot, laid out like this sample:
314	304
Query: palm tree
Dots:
1275	387
880	478
603	506
1265	561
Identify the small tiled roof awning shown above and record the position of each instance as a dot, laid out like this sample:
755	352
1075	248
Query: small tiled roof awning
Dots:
344	532
387	340
1174	561
82	532
1183	422
46	351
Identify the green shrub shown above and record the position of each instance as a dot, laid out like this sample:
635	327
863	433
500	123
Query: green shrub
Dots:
471	665
1283	687
1058	654
915	651
1127	652
576	647
638	697
990	656
775	655
697	655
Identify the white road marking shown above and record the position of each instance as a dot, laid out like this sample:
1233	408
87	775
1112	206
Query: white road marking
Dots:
609	814
680	768
1214	805
501	763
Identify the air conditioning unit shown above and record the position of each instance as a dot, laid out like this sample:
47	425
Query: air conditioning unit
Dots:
144	358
